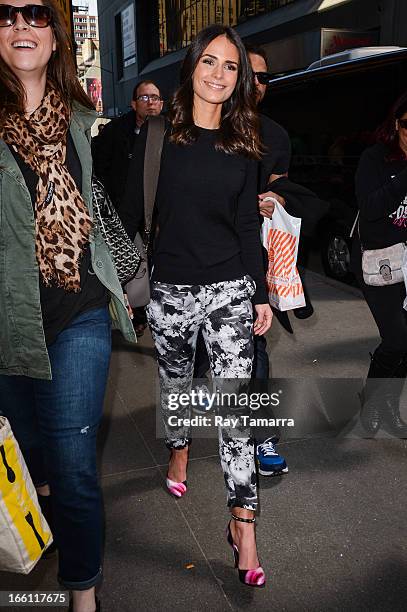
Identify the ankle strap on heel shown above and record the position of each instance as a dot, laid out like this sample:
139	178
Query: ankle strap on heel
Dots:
243	520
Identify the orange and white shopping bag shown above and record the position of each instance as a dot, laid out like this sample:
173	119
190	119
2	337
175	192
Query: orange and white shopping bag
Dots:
280	236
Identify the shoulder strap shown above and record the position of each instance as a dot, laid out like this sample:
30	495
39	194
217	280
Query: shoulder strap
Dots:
356	222
152	162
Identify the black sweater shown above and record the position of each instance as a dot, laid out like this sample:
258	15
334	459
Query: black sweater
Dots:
206	212
381	189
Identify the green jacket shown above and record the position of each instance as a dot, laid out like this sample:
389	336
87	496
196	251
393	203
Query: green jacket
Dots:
22	343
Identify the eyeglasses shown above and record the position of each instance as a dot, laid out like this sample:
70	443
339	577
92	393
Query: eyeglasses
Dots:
149	98
35	15
263	78
403	123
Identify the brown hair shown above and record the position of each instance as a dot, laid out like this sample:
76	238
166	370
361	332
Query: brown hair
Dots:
61	72
239	129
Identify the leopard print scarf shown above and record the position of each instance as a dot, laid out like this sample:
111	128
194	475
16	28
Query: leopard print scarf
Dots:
62	222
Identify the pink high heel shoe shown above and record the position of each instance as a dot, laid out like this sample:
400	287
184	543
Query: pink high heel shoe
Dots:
250	577
178	489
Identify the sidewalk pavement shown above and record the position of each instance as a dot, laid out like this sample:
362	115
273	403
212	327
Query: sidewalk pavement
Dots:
331	533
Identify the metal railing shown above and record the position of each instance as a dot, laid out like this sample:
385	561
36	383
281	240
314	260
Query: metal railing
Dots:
180	20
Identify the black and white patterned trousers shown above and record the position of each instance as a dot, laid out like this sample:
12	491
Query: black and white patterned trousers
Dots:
224	312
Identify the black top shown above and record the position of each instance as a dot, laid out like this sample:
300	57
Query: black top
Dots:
58	306
206	210
381	190
277	155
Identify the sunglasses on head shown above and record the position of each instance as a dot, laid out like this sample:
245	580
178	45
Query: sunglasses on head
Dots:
263	78
403	123
35	15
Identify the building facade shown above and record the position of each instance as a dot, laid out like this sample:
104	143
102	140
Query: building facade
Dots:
86	36
85	26
147	39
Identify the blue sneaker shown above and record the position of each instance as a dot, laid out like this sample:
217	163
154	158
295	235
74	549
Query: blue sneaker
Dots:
269	461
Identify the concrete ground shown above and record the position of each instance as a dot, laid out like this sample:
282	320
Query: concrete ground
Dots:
331	533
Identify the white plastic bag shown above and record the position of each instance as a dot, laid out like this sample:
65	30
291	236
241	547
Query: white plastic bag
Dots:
280	236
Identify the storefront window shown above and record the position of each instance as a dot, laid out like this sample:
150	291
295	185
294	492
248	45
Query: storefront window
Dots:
180	20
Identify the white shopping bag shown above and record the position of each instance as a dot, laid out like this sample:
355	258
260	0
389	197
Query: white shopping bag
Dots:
280	236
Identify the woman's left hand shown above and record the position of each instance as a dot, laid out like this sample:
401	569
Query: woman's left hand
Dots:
129	308
264	317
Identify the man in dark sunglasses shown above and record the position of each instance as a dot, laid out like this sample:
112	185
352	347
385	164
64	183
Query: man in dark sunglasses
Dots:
275	163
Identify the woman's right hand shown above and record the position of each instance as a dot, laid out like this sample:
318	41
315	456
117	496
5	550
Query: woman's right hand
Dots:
264	318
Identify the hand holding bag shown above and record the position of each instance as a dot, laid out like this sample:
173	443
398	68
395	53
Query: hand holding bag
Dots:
138	289
24	532
280	237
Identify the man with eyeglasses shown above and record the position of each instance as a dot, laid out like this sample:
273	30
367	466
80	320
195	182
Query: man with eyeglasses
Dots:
112	149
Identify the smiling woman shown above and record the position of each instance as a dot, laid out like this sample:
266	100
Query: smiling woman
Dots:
216	80
55	328
207	260
34	46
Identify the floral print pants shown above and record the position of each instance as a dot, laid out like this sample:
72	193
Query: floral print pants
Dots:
224	312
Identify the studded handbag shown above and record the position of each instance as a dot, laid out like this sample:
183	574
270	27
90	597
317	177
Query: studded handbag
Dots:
125	255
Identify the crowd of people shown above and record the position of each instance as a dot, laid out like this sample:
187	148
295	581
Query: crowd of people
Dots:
221	164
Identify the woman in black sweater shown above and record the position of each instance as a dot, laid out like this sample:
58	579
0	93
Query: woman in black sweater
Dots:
207	261
381	188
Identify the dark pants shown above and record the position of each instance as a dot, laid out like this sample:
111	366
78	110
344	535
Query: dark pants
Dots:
56	423
388	368
386	306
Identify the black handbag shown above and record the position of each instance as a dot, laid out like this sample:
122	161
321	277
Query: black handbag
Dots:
125	255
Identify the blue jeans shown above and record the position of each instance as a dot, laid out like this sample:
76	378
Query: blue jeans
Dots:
56	423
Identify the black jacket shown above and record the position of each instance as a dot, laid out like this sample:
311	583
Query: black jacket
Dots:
300	202
381	190
112	151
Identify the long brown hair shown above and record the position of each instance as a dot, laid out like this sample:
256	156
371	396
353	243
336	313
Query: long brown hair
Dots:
239	129
61	73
